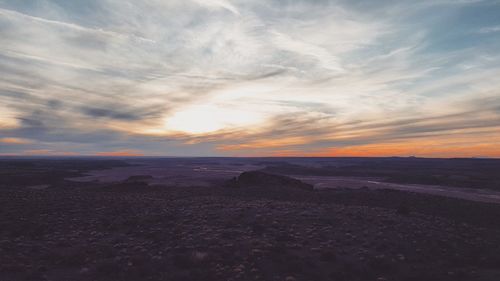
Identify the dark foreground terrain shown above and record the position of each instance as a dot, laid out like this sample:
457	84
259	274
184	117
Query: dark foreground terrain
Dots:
245	229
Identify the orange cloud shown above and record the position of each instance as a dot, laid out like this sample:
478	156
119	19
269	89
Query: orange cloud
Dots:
469	142
121	153
48	152
15	141
267	143
414	148
479	150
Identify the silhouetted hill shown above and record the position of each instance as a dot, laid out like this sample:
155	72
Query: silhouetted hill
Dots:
262	179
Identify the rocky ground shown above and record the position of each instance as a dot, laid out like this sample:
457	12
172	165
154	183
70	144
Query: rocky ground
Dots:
135	232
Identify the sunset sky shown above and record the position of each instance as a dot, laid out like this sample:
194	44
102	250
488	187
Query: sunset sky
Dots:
250	78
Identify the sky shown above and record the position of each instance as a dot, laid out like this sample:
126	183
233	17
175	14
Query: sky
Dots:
250	78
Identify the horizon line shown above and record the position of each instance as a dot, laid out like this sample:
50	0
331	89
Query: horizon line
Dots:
170	156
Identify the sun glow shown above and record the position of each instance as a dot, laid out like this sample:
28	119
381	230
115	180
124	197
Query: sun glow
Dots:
201	119
7	118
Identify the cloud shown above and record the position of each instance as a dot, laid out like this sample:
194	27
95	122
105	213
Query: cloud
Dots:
321	55
47	152
121	153
490	29
225	4
15	141
127	114
472	120
248	77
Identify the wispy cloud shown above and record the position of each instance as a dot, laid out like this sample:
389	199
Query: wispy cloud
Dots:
234	77
224	4
127	153
490	29
15	141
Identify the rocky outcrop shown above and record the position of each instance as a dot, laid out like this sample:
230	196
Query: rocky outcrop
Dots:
262	179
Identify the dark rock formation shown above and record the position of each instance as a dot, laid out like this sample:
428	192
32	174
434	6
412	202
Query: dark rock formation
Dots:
262	179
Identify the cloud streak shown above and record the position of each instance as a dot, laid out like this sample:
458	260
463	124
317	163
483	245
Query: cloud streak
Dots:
234	77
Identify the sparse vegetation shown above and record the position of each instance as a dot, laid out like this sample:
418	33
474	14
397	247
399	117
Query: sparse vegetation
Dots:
134	231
